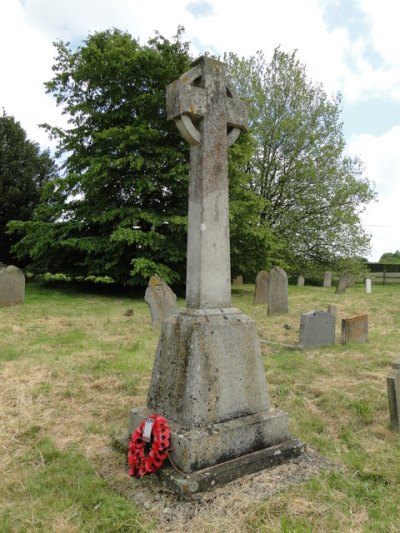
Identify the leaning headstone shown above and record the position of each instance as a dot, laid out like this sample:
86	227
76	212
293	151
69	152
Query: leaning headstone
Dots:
161	300
328	279
12	286
261	288
344	281
393	389
238	280
317	328
355	329
368	286
300	281
208	378
278	300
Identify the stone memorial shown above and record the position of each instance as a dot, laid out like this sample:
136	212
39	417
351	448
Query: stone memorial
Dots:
368	286
317	328
278	299
344	281
328	279
12	286
332	309
161	300
355	329
300	281
238	280
393	389
208	378
261	288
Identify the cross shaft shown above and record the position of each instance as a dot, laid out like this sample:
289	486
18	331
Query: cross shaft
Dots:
210	117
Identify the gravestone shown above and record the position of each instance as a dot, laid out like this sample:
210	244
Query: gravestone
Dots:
344	281
12	286
300	281
368	286
328	279
393	389
278	300
238	280
161	300
261	288
332	309
208	378
355	329
317	328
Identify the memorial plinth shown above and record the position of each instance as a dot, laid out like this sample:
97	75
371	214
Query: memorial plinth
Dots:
208	378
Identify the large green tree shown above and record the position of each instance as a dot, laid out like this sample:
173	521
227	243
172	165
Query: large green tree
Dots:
119	210
313	191
390	257
24	169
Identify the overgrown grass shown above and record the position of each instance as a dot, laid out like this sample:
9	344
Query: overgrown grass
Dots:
72	364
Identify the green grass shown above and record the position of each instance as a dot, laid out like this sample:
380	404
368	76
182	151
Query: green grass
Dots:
72	364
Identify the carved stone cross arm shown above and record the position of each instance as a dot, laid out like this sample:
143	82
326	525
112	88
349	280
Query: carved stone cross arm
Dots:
197	93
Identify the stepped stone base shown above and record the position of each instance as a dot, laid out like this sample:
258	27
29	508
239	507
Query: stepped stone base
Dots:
198	448
185	485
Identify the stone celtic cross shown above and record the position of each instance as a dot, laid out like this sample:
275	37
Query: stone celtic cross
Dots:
210	117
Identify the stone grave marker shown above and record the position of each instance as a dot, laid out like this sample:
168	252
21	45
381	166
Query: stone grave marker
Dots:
261	288
238	280
355	329
332	309
368	286
278	300
161	300
344	281
393	389
328	279
12	286
317	328
300	281
208	378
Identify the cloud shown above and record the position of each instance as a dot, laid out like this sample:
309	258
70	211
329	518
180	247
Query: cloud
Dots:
25	63
200	9
381	157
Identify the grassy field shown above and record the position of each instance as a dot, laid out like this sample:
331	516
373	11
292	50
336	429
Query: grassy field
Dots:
73	363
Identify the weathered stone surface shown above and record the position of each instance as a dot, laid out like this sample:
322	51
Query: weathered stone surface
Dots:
300	281
278	300
12	286
185	485
345	280
238	280
261	288
204	95
208	368
317	328
393	389
355	329
161	300
198	448
368	286
328	279
208	378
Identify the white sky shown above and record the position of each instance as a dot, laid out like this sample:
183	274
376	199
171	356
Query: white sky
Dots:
351	46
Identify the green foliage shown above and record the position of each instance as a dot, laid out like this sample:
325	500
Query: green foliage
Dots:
312	191
24	169
119	211
390	257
